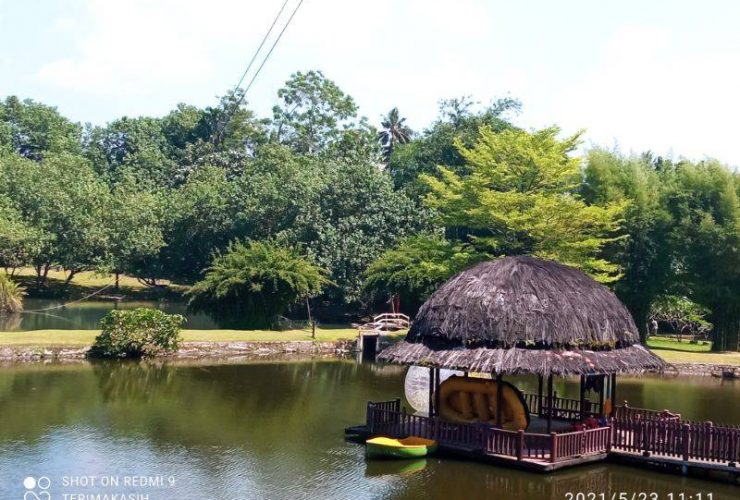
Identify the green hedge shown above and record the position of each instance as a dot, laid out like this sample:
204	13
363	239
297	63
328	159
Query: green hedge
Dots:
136	333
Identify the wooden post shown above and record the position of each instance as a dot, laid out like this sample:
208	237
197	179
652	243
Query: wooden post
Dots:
645	438
499	399
436	391
614	393
539	395
549	403
685	428
582	398
707	445
553	444
520	447
601	396
431	391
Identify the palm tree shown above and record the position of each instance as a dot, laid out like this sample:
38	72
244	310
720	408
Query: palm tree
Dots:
394	131
11	296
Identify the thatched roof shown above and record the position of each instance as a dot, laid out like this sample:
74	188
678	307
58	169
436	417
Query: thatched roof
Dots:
522	314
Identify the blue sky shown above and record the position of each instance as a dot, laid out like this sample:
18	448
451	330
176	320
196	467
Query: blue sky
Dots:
643	74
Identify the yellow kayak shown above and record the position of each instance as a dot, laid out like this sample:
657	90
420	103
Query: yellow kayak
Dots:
410	447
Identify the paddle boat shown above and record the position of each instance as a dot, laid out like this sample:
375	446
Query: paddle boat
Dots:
410	447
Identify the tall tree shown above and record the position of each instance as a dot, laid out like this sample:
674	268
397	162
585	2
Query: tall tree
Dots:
133	145
458	121
645	254
394	131
312	113
520	197
705	209
133	219
34	130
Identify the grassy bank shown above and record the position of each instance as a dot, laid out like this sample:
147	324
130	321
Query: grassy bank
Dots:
668	349
684	352
81	338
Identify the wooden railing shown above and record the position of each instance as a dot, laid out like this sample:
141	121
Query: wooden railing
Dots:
672	437
628	413
575	444
386	418
562	408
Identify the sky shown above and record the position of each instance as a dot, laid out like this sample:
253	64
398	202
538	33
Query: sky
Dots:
636	75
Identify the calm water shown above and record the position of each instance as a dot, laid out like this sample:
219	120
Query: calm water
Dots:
42	314
274	430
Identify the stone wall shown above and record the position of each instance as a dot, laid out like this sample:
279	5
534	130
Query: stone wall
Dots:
192	350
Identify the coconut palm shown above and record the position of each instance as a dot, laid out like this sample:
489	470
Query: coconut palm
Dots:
11	295
394	131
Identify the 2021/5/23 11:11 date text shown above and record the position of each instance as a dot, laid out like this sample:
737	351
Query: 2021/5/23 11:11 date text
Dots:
637	495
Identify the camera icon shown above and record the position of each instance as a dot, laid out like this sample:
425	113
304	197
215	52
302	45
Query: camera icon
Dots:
37	488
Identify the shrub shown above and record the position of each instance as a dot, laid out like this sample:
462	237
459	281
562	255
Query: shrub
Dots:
11	295
136	333
254	282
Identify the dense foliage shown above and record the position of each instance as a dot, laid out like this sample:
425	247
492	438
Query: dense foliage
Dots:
251	284
378	212
137	332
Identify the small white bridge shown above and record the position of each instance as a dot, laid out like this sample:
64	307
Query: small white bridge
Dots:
381	324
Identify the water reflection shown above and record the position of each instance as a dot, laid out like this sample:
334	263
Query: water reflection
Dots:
274	430
43	314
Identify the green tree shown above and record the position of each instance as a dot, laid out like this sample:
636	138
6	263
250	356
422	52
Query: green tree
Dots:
520	198
64	200
20	242
134	222
313	112
458	123
252	283
199	218
416	267
705	209
356	217
394	131
681	314
645	255
132	145
34	130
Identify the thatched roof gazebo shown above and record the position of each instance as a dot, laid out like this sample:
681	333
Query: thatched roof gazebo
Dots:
523	315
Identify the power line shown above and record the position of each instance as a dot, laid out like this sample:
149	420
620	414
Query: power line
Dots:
259	49
259	69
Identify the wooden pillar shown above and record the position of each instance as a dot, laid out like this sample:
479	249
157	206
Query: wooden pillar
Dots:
601	396
436	392
539	395
614	394
431	391
499	399
549	403
582	398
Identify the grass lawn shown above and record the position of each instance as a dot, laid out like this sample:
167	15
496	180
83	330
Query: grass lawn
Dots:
80	338
684	352
88	282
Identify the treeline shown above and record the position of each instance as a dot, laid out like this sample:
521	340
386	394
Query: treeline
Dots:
377	212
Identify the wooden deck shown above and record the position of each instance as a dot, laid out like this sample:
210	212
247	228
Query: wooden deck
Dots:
657	439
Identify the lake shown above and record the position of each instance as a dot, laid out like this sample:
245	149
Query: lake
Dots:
275	430
43	314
